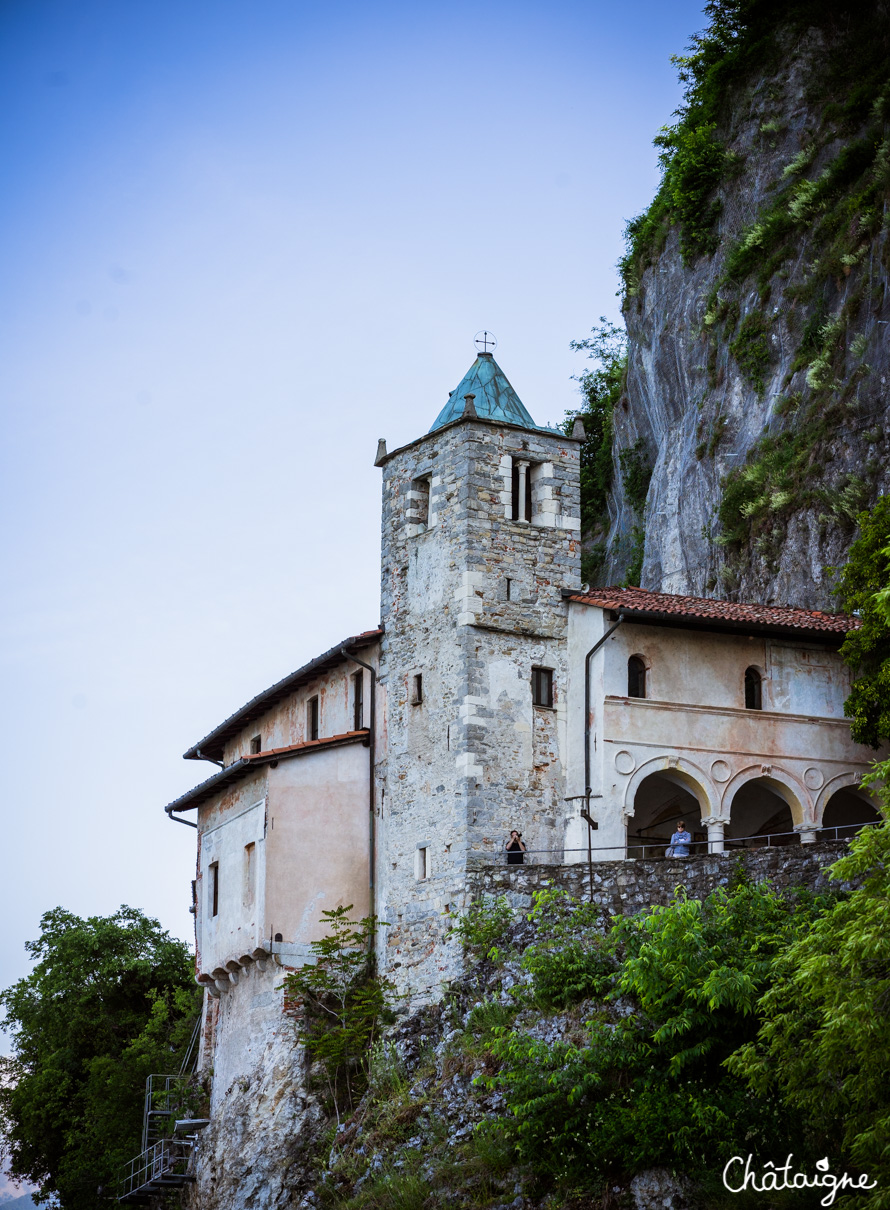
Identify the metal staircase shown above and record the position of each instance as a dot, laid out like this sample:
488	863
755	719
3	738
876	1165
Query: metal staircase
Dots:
165	1161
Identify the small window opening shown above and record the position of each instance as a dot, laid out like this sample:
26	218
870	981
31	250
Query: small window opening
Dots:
423	864
249	874
312	717
522	490
417	689
636	677
542	686
753	689
509	588
256	745
214	888
358	701
279	937
419	502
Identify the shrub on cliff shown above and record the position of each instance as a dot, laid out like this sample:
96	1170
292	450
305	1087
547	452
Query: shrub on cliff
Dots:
649	1087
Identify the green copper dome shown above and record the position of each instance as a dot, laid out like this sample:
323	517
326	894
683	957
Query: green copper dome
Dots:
494	399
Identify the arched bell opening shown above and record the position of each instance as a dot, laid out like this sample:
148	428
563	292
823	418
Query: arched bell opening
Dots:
761	808
660	801
846	812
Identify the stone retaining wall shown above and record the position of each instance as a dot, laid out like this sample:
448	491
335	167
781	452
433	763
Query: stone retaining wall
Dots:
626	887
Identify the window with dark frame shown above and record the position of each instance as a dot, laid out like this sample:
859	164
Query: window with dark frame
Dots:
636	677
358	701
753	689
213	870
256	745
312	718
542	687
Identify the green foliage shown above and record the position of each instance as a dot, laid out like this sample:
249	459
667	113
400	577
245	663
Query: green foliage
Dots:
109	1001
751	349
824	1045
339	1003
636	474
569	961
601	388
649	1087
863	580
483	925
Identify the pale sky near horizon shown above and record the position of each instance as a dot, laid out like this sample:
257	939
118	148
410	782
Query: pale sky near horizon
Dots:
239	244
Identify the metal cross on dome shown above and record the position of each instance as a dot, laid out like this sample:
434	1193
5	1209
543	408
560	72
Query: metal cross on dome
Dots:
485	341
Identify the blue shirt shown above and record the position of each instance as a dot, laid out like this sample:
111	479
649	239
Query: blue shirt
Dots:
680	842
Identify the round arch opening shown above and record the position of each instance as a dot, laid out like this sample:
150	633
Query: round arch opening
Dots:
846	812
658	803
758	811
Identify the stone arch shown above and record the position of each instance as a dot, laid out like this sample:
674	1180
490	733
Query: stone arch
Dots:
661	791
765	799
843	804
842	781
684	773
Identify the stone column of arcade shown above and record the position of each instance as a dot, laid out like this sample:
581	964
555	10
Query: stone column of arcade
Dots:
716	826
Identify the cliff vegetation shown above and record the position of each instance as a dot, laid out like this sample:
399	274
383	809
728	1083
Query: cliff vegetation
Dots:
755	298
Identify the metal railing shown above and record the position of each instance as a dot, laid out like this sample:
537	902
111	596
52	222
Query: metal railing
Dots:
658	845
160	1167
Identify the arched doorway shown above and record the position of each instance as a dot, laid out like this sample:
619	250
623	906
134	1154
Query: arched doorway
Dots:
845	813
658	803
758	810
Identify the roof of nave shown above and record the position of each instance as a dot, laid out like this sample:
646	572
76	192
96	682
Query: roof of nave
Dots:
241	767
670	609
211	747
494	399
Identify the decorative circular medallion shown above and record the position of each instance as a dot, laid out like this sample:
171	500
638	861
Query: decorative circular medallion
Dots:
720	770
813	779
624	762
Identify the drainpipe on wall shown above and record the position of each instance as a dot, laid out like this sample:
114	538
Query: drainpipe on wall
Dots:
591	653
372	799
178	818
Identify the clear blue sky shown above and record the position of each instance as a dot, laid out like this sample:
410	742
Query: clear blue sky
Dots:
240	242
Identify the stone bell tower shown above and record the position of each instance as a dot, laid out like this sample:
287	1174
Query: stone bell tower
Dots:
481	533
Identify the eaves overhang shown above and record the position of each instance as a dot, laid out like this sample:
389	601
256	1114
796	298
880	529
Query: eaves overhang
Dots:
245	765
212	746
495	424
804	626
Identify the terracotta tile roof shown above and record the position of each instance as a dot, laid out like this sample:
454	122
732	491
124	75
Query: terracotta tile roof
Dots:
242	767
698	610
212	746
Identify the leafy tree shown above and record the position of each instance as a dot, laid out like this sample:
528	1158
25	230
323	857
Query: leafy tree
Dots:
110	1000
862	589
647	1086
601	388
824	1045
339	1003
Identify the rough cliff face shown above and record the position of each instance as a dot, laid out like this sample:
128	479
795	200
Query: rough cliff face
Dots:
758	314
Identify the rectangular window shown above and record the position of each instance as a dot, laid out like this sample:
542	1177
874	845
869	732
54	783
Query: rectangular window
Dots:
249	874
417	689
418	512
312	718
256	745
542	687
522	490
422	863
213	871
358	701
509	588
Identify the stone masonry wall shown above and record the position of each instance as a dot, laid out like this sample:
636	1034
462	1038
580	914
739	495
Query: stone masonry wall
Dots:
474	758
261	1114
624	888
